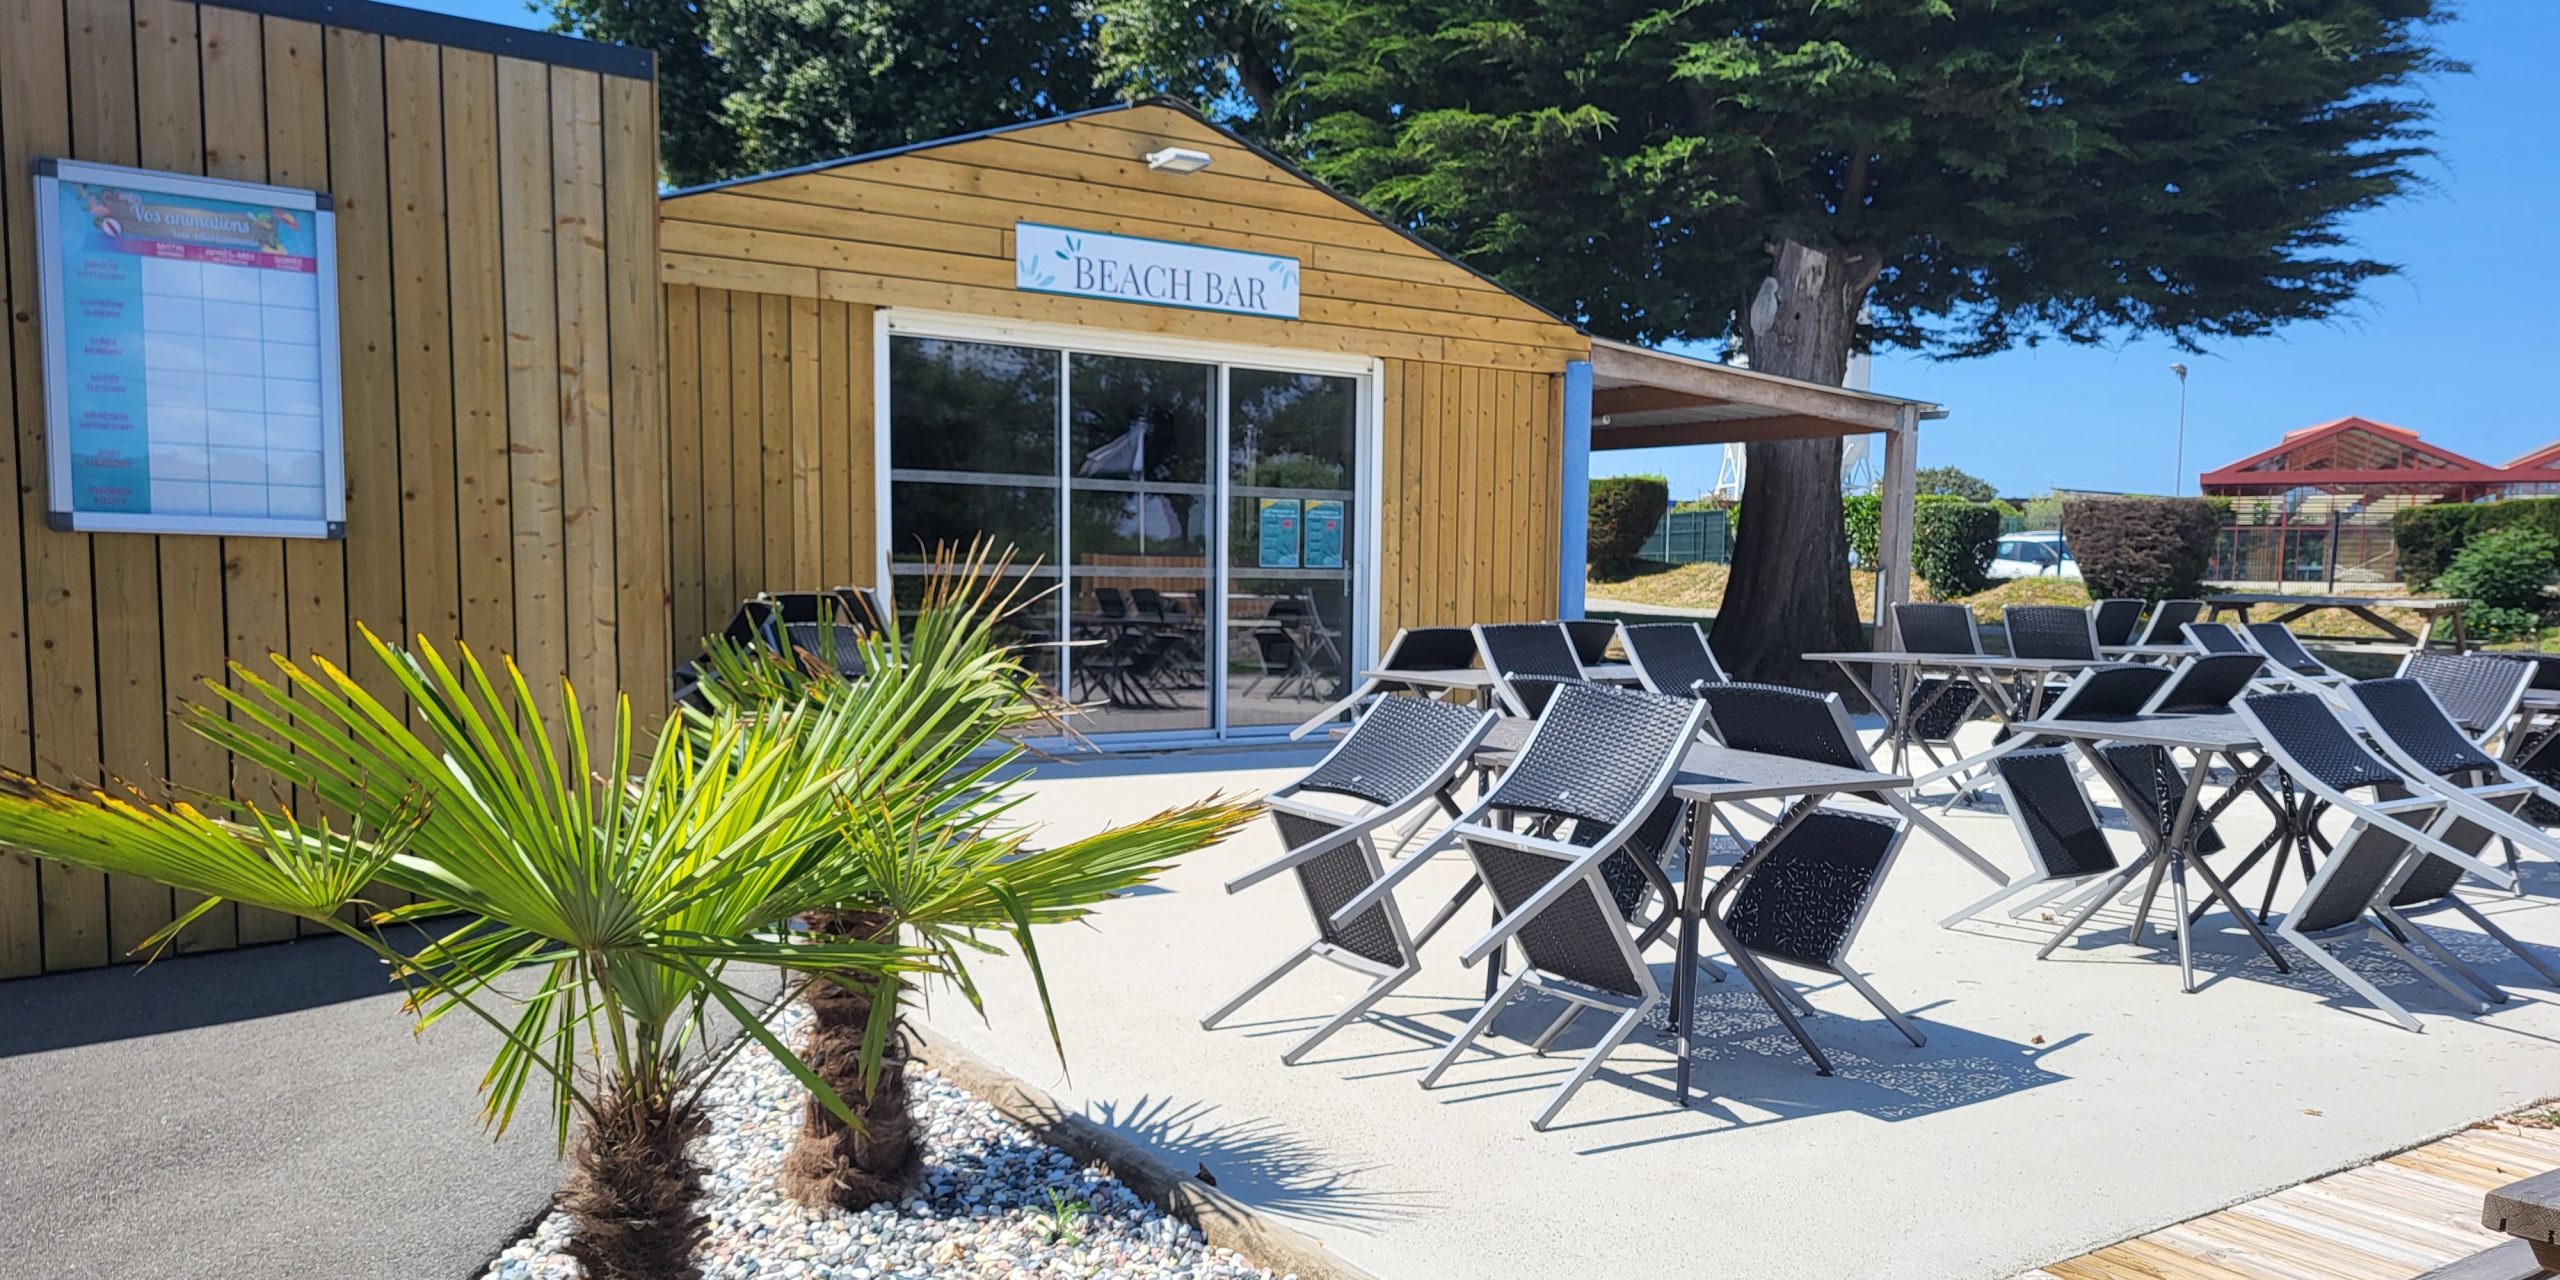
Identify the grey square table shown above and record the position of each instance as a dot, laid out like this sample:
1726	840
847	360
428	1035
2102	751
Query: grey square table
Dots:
2169	842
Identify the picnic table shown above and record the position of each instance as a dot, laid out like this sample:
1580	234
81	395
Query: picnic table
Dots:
2434	610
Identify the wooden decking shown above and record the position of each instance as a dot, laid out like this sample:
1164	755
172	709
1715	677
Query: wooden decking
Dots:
2389	1220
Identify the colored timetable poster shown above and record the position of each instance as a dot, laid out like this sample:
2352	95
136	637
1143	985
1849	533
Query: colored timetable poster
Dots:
1280	518
191	354
1324	533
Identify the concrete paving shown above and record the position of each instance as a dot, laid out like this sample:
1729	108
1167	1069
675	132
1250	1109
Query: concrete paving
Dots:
2058	1105
254	1113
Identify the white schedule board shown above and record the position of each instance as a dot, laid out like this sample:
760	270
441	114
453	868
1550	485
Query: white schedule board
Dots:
191	354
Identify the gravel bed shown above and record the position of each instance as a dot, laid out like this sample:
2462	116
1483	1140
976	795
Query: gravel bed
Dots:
992	1203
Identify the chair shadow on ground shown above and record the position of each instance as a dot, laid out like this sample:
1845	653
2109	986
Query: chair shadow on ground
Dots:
1746	1071
1261	1163
2223	952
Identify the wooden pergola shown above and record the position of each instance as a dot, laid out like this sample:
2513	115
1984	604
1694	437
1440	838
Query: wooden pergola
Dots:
1645	399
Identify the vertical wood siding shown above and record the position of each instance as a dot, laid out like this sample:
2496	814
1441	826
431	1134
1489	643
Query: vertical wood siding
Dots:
500	333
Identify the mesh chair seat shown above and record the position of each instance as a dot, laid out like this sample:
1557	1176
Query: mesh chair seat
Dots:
1518	651
2326	749
2479	691
1805	898
2148	778
2115	621
833	643
2277	641
1672	657
2217	638
2168	617
2063	835
1935	628
1594	755
2049	631
1591	639
1775	720
2403	711
1397	749
2208	684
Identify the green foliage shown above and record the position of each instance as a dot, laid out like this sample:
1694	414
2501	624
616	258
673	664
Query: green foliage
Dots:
1863	514
2505	572
1624	511
2429	537
2151	548
2044	511
1955	483
747	86
1628	161
1951	544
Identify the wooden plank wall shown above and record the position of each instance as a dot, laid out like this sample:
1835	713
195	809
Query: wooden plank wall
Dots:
504	419
769	448
1471	445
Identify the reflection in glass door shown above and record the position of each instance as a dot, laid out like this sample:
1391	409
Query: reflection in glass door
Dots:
1140	517
1194	524
1292	475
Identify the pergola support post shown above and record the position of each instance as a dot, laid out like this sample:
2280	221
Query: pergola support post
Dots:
1893	519
1573	511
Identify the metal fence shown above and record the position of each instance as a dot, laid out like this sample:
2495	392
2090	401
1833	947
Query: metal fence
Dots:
1690	537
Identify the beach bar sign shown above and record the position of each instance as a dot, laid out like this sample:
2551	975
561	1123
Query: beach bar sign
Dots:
1093	264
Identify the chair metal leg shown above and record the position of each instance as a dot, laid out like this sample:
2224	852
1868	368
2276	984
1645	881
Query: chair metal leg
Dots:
1351	1013
1467	1034
1591	1062
1260	985
2355	982
1901	1022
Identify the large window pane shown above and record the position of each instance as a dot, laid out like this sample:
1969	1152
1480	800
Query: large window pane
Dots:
925	515
1139	524
972	406
1292	468
1288	648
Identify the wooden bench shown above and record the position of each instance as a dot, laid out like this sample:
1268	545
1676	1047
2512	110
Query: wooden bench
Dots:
2529	1211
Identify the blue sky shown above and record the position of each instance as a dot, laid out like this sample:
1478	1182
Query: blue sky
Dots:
2448	348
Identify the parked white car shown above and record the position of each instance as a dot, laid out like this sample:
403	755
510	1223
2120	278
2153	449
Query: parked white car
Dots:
2033	555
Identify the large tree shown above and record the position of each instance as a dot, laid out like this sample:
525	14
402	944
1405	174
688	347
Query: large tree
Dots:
747	86
1968	175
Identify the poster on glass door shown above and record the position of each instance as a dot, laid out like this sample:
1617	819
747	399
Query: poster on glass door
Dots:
1280	518
1324	533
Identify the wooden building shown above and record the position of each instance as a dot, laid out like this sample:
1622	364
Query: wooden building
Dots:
1245	428
495	197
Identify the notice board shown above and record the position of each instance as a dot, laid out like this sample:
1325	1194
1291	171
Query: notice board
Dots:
191	354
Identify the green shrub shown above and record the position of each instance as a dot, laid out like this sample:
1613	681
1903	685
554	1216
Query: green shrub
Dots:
2505	573
1624	511
2429	537
1952	541
2042	512
1863	513
2150	548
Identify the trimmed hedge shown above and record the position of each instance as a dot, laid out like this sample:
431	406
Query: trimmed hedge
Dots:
2149	548
2429	537
1952	541
1863	513
1624	511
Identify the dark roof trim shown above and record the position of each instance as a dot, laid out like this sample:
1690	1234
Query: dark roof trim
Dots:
460	33
1174	104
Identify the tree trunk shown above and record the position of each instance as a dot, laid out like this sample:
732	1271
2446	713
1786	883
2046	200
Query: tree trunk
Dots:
831	1162
1789	594
634	1195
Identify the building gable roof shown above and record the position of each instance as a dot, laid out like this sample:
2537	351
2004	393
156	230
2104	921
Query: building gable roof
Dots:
2411	458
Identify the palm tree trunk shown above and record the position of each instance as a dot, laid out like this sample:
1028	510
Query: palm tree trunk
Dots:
831	1162
635	1190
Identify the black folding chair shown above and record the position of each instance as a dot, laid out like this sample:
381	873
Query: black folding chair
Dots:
2302	734
2207	684
2417	733
1402	755
751	627
1529	660
2066	845
816	631
1804	901
1413	649
1591	639
1938	706
2291	661
2480	691
2218	637
2348	896
2167	619
1592	781
2115	621
2049	631
1671	657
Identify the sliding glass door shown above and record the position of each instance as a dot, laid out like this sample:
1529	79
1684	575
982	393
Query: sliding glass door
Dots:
1194	522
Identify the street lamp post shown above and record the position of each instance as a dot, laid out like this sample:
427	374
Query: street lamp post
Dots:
2178	477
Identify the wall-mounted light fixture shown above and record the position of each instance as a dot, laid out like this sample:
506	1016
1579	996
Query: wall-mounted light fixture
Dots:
1178	160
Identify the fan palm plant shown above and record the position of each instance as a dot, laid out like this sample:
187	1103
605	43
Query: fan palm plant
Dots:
928	856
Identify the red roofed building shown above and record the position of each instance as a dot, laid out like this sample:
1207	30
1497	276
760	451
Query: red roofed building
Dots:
2318	505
